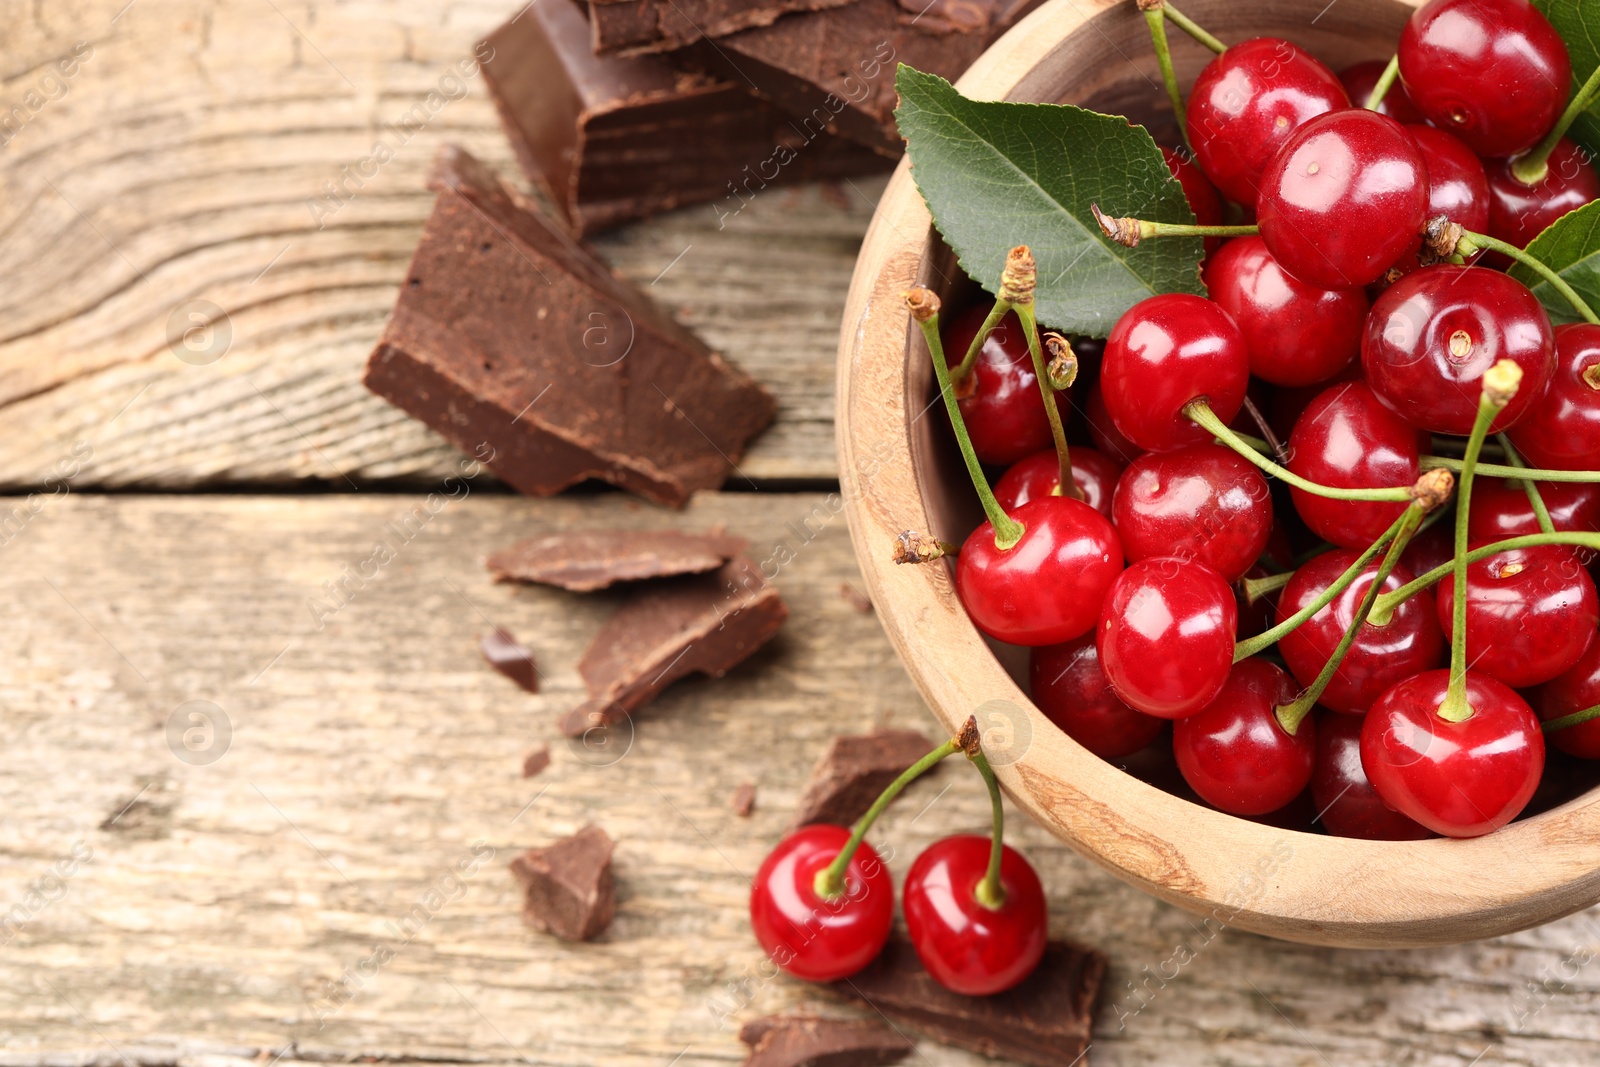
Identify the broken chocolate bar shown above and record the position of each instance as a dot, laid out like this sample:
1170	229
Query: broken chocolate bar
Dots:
854	770
1046	1020
521	348
612	138
703	623
509	658
744	799
593	559
535	760
632	27
811	1041
568	887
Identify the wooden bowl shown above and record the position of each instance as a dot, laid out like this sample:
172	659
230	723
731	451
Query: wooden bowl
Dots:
900	472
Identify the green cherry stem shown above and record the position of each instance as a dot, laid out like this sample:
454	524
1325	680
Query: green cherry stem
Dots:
1385	81
1156	18
924	307
1577	718
1533	166
1468	243
1052	411
1535	500
991	893
968	361
1129	231
1256	588
1499	470
1193	29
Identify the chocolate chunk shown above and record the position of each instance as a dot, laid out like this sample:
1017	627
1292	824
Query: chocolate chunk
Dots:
744	800
705	623
855	598
1046	1020
810	1041
612	138
510	659
568	885
535	760
631	27
593	559
521	348
854	770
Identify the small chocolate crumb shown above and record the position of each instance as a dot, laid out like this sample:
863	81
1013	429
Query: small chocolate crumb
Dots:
854	770
586	560
535	760
505	655
744	799
812	1041
569	891
855	598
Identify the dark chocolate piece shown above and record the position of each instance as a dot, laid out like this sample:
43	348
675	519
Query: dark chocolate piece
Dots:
593	559
811	1041
612	138
744	799
521	349
568	885
633	27
535	760
855	598
514	661
1046	1020
703	623
854	770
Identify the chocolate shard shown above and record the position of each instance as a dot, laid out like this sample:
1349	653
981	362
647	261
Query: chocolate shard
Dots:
703	623
519	347
505	655
535	760
584	561
812	1041
744	799
612	138
854	770
1046	1020
568	886
633	27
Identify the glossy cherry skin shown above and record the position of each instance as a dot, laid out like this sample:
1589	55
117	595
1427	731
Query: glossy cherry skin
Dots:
967	947
1432	547
1518	213
1203	502
1346	801
1046	588
1346	439
1411	642
1235	754
1001	403
1343	199
1359	81
1166	636
1294	333
1039	474
1203	198
1164	352
1073	692
1458	188
1501	509
1493	72
1575	689
1107	438
1432	334
1531	613
1562	431
809	937
1246	103
1460	779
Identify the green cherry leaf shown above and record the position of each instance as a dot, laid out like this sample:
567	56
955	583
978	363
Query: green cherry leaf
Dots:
1578	23
1570	246
996	175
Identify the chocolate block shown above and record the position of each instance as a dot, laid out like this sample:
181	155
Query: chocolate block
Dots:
568	887
854	770
595	559
704	623
519	347
810	1041
514	661
633	27
613	138
1046	1020
744	799
535	760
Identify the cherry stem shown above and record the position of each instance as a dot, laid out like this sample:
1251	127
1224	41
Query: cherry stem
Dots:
1130	231
1256	588
1533	166
1193	29
1497	470
1156	18
1007	531
1540	512
968	361
1577	718
1385	81
1199	411
1052	411
1271	441
1470	242
991	892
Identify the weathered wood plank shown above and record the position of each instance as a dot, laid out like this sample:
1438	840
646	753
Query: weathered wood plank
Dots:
369	757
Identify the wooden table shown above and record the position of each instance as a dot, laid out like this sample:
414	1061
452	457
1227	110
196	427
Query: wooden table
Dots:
368	795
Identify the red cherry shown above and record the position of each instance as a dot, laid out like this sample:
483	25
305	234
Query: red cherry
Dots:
810	937
1073	692
1458	188
1001	403
1576	689
967	947
1166	636
1235	754
1493	72
1164	352
1562	431
1039	474
1346	439
1518	213
1437	544
1348	804
1107	438
1531	613
1343	199
1361	79
1203	502
1046	588
1500	509
1432	334
1198	190
1247	102
1460	779
1409	643
1295	334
